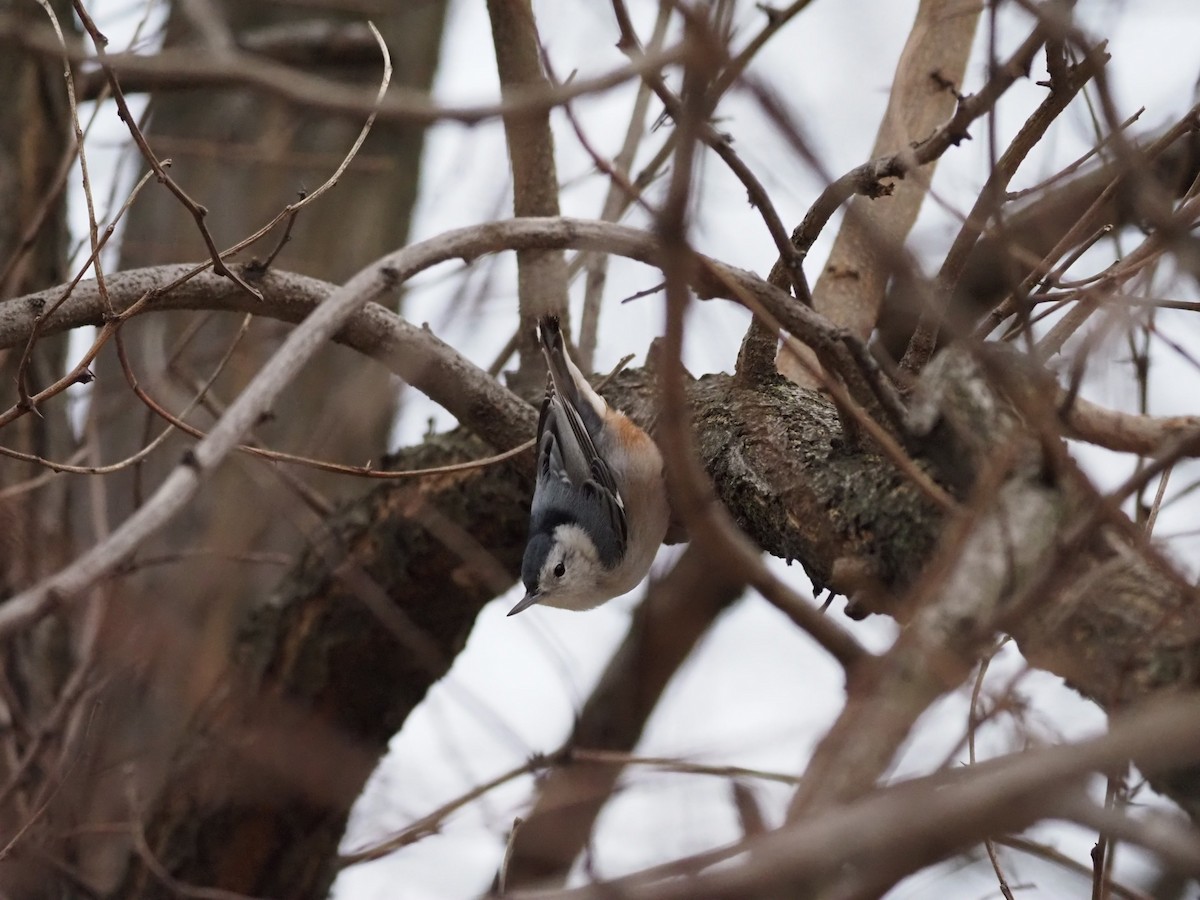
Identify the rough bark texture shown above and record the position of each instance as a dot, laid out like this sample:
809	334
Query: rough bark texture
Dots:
331	666
262	759
344	651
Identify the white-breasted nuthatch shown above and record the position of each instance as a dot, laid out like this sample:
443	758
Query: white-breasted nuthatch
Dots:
600	505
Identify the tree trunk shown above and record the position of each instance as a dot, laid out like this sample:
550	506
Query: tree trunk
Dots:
35	539
169	622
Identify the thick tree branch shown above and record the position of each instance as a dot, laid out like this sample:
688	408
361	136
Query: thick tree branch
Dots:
541	274
880	835
420	358
779	464
189	68
1041	227
851	287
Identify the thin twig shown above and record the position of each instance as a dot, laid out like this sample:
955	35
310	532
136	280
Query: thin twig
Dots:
431	822
184	68
972	724
620	193
718	143
79	372
1042	851
1062	92
197	211
373	283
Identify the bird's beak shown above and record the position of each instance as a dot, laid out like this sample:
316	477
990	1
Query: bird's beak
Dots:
525	603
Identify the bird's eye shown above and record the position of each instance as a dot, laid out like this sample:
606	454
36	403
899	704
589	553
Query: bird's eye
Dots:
560	570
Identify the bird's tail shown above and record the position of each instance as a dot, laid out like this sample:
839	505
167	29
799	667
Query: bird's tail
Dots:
568	380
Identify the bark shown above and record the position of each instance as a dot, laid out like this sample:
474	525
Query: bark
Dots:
782	467
329	667
929	75
35	138
169	629
1002	259
264	759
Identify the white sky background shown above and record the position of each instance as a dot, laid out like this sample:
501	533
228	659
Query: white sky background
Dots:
758	692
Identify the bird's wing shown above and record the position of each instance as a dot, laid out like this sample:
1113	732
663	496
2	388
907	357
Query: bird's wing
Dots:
574	481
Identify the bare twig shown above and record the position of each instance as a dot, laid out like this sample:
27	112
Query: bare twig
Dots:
1042	851
189	68
431	823
711	52
958	809
868	178
373	283
972	725
79	372
197	211
1087	223
616	200
925	86
1062	92
541	274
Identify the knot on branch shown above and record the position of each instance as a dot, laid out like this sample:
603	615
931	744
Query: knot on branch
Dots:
958	415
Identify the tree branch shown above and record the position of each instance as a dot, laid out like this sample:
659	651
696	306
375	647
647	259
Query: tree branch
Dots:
541	274
879	835
187	69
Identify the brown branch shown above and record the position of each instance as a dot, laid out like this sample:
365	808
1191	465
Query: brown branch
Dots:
385	337
197	211
1089	201
80	373
879	835
868	179
619	196
546	844
729	75
709	278
313	42
541	274
372	331
69	584
677	612
1122	431
431	823
733	69
851	288
778	461
177	423
718	143
1062	91
187	69
996	547
1147	254
409	351
1048	853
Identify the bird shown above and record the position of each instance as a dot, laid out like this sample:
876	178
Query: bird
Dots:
600	507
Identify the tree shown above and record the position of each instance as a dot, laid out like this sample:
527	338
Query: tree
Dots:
907	443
